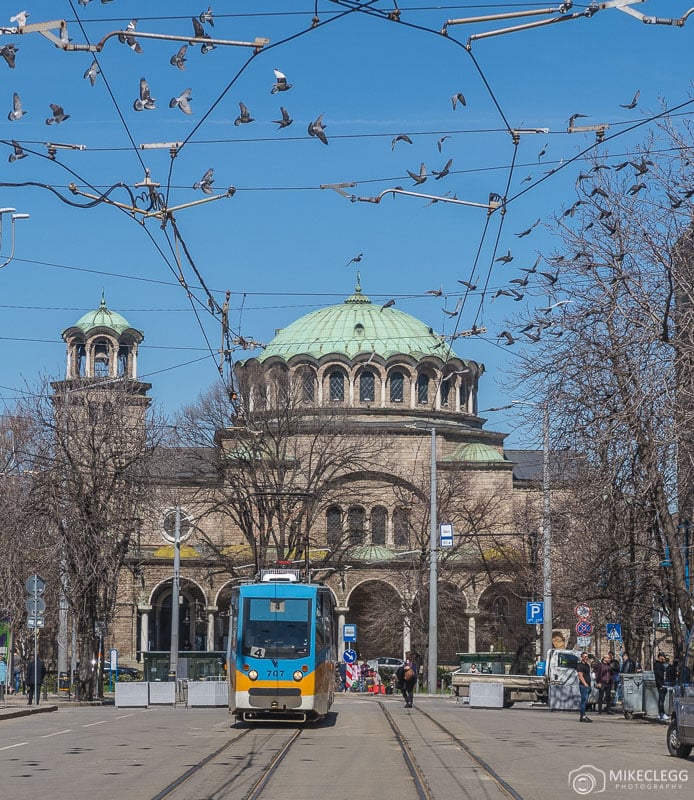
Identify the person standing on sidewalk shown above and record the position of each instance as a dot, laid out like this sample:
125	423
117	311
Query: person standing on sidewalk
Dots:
35	678
603	680
659	669
584	680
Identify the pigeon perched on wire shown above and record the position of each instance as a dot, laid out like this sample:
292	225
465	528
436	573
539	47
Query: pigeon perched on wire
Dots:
286	120
179	59
401	137
91	73
145	101
59	115
205	183
200	33
17	110
317	129
9	52
128	38
280	84
182	101
244	117
18	152
207	16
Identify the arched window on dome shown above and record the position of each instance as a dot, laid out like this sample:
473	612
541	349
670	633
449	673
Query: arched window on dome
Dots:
401	527
464	396
333	522
81	361
379	518
123	353
102	359
356	518
367	387
422	389
397	386
307	384
337	386
445	392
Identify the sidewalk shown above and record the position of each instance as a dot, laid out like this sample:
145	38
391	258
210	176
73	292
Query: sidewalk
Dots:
15	705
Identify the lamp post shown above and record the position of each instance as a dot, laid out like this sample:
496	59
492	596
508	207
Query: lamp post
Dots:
13	218
432	665
175	594
546	520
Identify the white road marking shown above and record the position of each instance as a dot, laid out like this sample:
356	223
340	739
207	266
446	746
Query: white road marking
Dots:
57	733
10	746
91	724
125	716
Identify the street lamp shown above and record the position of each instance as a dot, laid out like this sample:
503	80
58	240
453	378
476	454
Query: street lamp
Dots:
546	521
13	217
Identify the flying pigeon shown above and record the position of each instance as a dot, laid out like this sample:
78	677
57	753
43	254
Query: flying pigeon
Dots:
601	192
18	152
200	33
421	177
356	259
280	84
573	119
633	102
128	38
439	142
635	189
207	16
444	171
145	101
388	304
59	115
458	98
17	111
182	101
20	18
8	52
285	121
456	310
205	183
244	116
317	128
401	137
92	72
179	59
470	286
504	259
527	231
506	335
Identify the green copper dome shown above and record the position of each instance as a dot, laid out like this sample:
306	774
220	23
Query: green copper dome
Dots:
357	326
103	317
476	452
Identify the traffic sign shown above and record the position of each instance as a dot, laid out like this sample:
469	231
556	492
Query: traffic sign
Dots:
35	606
349	633
35	585
535	613
584	642
584	628
349	656
446	534
36	622
614	631
583	611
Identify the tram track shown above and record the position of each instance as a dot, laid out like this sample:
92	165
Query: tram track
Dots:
241	767
423	778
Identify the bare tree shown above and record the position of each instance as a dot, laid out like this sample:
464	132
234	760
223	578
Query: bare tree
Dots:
617	372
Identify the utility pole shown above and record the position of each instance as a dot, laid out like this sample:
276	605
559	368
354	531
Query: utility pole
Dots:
432	665
176	590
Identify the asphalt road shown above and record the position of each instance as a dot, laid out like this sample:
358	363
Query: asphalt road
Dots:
103	752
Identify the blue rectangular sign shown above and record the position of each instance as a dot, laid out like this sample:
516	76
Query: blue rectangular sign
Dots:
535	612
349	633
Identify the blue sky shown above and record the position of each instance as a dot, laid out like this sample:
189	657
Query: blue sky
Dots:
281	244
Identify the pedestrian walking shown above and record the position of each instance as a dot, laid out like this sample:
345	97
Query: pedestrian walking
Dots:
17	668
36	672
3	677
584	683
407	676
659	669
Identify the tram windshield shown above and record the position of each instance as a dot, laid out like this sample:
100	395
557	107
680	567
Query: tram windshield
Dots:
276	627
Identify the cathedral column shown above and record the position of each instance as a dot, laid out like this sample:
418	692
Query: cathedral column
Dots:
144	628
210	628
472	630
341	611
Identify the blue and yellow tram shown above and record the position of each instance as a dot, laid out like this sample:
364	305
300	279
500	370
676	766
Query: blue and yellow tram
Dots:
282	650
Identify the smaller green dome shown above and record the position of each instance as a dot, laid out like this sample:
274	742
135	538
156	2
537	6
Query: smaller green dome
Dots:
103	317
371	553
475	452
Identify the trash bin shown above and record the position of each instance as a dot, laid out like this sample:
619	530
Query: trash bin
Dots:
63	683
541	668
650	695
632	694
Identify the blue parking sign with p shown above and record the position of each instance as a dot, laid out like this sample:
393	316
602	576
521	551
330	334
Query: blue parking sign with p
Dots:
534	612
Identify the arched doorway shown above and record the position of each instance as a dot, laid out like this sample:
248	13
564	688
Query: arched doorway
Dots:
192	618
377	610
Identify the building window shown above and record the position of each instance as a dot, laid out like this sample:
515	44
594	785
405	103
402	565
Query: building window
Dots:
367	387
123	353
169	526
333	519
337	386
464	396
355	523
379	517
445	392
397	387
102	367
401	528
308	385
422	389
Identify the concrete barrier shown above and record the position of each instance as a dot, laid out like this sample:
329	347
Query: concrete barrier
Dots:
162	693
132	694
207	693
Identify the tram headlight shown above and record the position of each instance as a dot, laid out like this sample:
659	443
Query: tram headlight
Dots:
253	674
298	675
